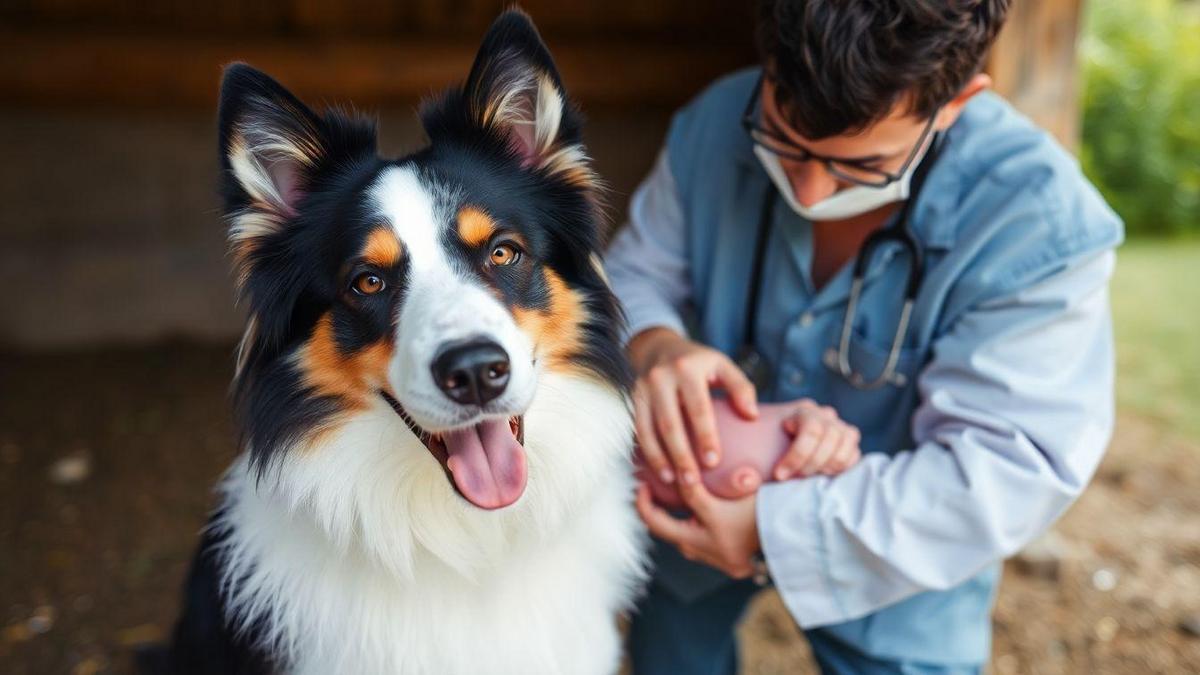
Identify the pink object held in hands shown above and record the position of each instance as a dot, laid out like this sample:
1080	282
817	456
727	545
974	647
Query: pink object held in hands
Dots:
749	451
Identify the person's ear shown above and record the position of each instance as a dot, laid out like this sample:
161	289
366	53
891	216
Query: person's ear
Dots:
953	108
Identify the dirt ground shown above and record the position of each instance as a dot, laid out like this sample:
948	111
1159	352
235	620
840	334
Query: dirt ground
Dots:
107	459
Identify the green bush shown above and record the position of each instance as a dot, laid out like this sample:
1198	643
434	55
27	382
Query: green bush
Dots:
1141	111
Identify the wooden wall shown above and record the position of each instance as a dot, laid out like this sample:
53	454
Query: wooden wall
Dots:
106	116
379	53
374	52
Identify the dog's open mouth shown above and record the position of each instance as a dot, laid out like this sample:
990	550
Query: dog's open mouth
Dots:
485	462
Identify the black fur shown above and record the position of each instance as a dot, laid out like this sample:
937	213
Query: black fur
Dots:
293	276
204	642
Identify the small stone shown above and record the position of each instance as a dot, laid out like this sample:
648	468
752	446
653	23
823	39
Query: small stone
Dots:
71	469
1106	629
1104	579
1190	624
1043	557
88	666
17	632
83	603
42	620
10	453
142	634
1007	663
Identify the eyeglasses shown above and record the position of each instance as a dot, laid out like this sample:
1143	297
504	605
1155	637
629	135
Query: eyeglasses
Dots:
849	171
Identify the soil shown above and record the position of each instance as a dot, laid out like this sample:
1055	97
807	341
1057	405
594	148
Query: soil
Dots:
107	460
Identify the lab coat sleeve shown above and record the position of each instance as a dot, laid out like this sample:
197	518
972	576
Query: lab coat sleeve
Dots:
1016	412
646	262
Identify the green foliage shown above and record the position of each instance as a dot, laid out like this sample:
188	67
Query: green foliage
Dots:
1155	295
1141	111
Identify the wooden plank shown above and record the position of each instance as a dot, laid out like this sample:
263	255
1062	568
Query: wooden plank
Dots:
712	20
55	68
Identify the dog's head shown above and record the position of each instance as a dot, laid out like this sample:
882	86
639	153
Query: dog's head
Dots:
438	290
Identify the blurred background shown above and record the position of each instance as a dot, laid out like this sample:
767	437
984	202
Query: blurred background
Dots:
117	320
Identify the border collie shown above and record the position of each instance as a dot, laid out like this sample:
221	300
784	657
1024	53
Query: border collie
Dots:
430	390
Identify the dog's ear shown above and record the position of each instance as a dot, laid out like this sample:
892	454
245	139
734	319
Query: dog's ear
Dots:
515	90
271	143
275	151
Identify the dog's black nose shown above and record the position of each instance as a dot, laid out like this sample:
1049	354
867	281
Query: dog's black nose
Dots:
472	371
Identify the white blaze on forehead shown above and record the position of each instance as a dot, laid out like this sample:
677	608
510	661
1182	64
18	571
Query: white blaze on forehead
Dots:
409	206
444	303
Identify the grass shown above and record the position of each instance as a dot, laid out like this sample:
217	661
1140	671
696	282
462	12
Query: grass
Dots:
1156	313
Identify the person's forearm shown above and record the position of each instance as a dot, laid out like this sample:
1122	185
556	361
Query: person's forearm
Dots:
647	261
1015	415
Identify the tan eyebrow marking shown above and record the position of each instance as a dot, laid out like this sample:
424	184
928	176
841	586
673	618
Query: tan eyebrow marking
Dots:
382	248
475	227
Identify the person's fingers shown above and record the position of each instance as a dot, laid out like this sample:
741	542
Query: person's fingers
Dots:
847	454
643	424
829	444
837	461
700	501
668	422
828	413
738	386
844	457
697	401
662	524
809	431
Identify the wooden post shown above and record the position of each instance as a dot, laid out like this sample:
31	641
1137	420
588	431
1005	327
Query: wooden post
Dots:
1034	64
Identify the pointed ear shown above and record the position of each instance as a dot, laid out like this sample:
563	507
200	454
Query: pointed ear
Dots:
514	89
271	144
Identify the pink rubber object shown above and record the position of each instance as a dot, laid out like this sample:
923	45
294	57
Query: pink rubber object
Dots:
749	450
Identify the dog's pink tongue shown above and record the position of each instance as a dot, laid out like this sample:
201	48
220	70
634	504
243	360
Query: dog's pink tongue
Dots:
487	462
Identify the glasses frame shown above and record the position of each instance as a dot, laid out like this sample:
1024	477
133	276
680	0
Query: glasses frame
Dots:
799	154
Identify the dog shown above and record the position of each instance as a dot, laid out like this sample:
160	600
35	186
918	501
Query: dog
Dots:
430	389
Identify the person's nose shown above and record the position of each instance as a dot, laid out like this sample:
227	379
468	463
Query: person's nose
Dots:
811	181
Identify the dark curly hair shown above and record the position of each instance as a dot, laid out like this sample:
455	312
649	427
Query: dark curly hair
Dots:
839	66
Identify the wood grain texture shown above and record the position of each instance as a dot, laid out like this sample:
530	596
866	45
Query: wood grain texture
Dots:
1035	67
57	68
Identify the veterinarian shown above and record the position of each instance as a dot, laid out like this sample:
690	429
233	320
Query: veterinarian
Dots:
982	407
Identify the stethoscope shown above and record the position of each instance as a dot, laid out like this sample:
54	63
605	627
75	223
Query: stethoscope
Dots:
751	361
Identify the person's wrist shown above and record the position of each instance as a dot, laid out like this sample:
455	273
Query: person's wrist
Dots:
647	346
755	540
758	560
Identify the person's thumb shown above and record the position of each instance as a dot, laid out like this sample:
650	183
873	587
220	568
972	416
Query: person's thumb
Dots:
740	389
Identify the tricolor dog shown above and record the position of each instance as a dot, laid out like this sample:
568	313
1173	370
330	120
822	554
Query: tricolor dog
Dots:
430	390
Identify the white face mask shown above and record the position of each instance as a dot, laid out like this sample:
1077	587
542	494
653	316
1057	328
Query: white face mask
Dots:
846	203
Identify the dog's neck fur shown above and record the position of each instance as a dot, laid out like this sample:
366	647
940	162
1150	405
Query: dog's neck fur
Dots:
390	571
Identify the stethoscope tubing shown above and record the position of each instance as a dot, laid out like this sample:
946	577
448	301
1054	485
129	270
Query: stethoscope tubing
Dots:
900	233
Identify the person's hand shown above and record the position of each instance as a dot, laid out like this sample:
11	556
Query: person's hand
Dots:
722	533
674	376
821	443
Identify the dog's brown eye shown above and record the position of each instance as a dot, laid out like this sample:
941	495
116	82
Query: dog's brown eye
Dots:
505	254
368	284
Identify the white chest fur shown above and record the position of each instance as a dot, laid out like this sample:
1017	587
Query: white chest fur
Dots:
356	562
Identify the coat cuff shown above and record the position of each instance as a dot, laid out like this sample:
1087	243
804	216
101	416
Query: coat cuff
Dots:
796	551
638	321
